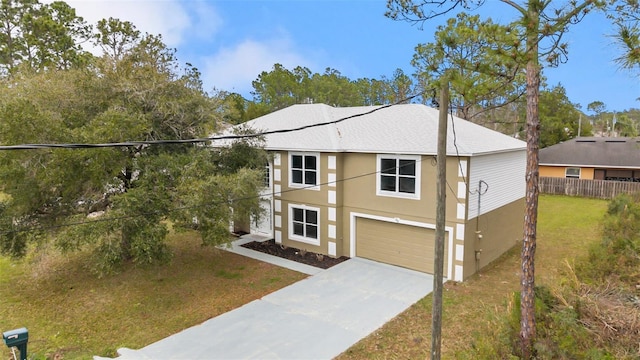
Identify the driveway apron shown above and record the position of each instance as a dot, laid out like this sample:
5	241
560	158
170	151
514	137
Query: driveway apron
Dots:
316	318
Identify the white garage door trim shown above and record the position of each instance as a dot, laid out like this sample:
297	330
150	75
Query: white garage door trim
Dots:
352	234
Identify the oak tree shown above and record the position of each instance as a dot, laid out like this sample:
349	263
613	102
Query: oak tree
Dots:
116	201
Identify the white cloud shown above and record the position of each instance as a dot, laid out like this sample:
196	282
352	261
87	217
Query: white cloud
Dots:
193	27
234	68
175	20
205	21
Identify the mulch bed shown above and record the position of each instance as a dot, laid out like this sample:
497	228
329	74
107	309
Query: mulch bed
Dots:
301	256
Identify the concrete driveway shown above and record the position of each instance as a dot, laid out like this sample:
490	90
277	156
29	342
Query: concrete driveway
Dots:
316	318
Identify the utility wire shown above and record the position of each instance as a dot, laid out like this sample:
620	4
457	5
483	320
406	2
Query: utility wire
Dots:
199	140
216	203
455	145
136	143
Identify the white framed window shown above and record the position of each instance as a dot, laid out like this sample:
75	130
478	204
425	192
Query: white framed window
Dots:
304	224
304	170
266	182
398	176
572	172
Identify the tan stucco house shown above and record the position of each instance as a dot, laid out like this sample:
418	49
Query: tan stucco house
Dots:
593	158
366	186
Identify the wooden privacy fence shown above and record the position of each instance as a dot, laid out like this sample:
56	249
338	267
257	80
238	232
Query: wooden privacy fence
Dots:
602	189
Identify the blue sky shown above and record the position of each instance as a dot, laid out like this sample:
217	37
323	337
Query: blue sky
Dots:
232	41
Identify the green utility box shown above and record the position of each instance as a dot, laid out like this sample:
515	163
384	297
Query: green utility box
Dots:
17	338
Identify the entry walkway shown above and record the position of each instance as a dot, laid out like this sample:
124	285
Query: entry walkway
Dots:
316	318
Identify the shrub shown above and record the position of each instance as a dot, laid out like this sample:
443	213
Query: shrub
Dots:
618	255
594	313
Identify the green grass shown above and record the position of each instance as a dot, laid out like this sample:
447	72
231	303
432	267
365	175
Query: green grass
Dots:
566	228
72	314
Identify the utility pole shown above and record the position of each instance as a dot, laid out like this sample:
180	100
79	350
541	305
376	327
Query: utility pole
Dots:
441	185
579	126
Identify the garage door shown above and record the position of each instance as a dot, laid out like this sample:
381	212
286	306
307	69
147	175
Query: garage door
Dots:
397	244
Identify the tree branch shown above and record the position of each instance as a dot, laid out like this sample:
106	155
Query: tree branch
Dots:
522	10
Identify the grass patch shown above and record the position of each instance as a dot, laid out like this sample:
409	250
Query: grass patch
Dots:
567	227
72	314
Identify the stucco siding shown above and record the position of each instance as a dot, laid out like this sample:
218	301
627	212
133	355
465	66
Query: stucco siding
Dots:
552	171
503	181
325	199
560	172
359	192
586	173
500	230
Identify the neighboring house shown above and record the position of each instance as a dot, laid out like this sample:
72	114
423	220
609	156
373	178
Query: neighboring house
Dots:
593	158
366	186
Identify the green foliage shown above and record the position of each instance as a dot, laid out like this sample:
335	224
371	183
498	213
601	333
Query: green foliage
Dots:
281	87
221	185
238	108
480	60
559	118
627	38
136	91
12	240
592	312
242	153
116	37
597	107
619	253
37	37
625	126
560	333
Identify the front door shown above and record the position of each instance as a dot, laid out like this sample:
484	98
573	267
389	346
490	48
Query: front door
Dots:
263	224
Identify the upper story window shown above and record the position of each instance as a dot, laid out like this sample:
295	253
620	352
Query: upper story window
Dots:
398	176
572	172
304	170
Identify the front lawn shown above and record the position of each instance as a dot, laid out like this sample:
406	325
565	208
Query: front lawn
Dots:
72	314
566	228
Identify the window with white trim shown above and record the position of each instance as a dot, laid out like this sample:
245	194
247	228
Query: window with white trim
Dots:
266	182
572	172
304	224
398	176
304	169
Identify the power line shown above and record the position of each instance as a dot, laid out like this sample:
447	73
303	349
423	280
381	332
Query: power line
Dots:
199	140
125	217
157	142
455	145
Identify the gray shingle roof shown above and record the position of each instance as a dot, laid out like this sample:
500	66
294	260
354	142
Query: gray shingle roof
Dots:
406	129
594	151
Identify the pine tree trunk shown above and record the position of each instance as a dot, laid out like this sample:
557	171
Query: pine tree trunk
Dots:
527	280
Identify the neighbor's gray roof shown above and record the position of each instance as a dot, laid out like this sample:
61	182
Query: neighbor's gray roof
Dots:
594	151
406	129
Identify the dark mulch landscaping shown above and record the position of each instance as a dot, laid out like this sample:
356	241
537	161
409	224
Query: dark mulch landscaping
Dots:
301	256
